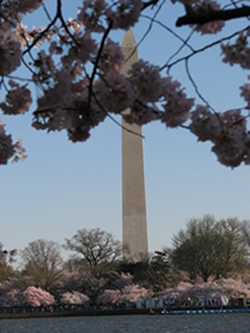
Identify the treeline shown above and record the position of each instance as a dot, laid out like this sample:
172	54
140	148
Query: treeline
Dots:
206	250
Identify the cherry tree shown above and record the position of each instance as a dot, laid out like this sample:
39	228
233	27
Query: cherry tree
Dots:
184	291
74	297
76	66
109	296
11	298
133	293
37	296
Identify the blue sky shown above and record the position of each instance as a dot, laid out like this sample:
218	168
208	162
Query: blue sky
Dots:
62	187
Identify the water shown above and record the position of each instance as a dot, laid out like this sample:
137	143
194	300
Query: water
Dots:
208	323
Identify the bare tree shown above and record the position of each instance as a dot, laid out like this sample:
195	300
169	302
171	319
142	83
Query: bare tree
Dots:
43	262
98	248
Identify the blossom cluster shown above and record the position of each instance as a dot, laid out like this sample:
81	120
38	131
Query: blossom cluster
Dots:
228	132
74	297
79	78
239	52
37	296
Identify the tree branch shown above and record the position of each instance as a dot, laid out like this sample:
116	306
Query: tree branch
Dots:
202	17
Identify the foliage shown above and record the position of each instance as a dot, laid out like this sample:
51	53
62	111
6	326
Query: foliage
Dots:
209	248
151	273
77	69
43	262
5	271
6	258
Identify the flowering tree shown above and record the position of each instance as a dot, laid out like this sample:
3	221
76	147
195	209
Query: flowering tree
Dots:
37	296
67	282
76	67
185	292
11	298
74	298
109	296
133	293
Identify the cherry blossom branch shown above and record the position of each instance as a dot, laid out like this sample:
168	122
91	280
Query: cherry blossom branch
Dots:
202	49
152	20
104	37
46	12
151	3
196	87
43	33
18	78
114	120
185	42
210	15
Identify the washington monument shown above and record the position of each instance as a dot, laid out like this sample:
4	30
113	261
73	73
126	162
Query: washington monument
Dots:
135	240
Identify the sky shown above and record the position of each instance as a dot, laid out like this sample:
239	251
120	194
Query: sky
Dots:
62	187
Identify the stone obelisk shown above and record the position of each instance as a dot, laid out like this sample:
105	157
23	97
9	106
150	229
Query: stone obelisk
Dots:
135	240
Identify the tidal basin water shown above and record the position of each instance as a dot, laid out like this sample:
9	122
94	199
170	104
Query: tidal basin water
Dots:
202	323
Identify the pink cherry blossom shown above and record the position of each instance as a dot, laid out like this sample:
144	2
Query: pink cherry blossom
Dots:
112	58
115	94
177	106
12	298
10	49
77	76
141	114
205	124
108	297
82	51
239	52
22	6
125	13
74	297
133	293
18	99
6	146
211	27
92	15
227	131
37	296
245	93
146	80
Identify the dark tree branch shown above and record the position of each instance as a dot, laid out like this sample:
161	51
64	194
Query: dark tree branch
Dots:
196	87
209	15
104	38
151	3
202	49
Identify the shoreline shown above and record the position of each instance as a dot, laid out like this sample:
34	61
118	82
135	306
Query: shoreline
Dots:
118	312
